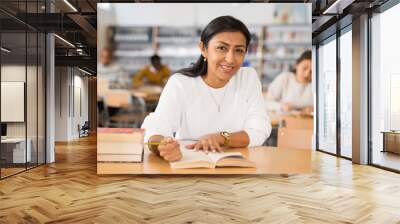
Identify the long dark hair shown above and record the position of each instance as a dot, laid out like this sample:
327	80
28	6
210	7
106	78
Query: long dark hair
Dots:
306	55
217	25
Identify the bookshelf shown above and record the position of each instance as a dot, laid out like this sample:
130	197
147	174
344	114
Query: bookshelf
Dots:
273	48
133	46
283	44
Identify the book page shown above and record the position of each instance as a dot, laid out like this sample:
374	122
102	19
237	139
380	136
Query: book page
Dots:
191	155
200	159
191	158
215	156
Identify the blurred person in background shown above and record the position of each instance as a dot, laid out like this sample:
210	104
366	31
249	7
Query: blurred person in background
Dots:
108	70
153	74
292	91
110	75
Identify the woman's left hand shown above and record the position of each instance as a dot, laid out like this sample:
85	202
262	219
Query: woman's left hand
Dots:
210	142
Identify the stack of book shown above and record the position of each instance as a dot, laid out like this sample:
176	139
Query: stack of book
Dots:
120	145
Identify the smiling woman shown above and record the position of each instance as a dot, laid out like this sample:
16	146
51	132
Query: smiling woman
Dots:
215	101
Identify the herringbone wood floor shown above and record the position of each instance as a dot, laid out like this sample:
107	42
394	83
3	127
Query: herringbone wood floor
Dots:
69	191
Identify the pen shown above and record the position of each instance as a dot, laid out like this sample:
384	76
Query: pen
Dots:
153	143
159	143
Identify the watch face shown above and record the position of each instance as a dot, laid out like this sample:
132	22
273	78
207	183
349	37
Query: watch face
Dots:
225	135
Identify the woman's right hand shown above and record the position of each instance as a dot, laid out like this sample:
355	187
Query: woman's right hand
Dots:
169	149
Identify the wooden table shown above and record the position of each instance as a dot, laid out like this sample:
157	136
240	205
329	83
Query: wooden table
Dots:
268	160
15	148
277	118
148	93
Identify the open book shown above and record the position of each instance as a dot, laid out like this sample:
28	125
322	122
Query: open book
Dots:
199	159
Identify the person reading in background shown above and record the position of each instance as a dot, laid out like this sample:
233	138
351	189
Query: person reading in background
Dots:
155	73
292	91
108	70
215	102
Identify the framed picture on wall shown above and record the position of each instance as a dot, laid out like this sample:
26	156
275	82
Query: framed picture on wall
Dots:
12	101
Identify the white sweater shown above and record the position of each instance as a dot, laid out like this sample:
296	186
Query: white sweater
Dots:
286	89
189	108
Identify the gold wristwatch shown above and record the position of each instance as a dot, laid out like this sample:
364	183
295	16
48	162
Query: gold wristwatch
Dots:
226	136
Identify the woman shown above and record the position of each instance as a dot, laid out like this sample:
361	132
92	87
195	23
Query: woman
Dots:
292	91
215	102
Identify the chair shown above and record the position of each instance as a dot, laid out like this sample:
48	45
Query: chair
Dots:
298	122
84	130
295	138
289	122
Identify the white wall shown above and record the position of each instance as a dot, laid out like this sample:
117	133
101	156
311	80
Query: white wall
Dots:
200	14
69	85
80	103
105	18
